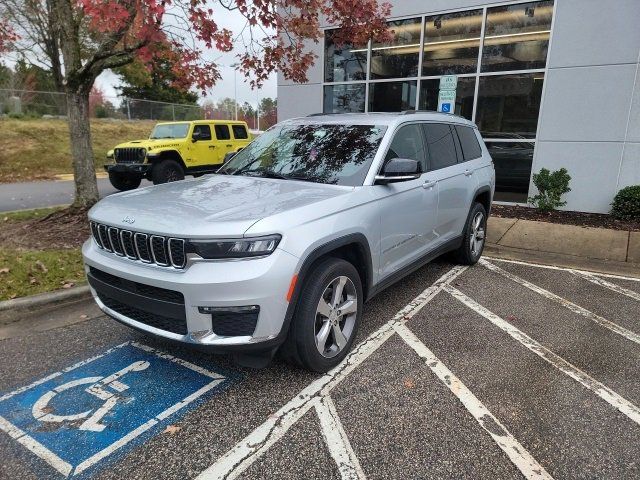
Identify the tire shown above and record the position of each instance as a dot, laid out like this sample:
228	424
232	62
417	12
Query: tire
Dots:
124	182
166	171
301	346
473	236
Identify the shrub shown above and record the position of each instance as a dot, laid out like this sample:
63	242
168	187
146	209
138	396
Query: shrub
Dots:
551	186
626	204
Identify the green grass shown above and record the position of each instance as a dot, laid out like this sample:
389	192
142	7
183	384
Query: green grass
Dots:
19	215
28	272
39	149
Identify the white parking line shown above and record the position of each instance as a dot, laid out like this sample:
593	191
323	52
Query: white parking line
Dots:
249	449
603	283
562	269
584	379
520	457
614	327
337	440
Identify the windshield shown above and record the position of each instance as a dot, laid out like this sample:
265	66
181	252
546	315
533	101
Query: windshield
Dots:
170	130
334	154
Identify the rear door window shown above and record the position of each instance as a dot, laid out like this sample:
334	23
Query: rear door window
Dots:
441	145
470	146
239	132
222	132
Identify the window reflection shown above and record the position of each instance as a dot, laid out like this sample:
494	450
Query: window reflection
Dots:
429	90
343	63
512	161
344	98
509	103
451	43
399	58
392	96
517	36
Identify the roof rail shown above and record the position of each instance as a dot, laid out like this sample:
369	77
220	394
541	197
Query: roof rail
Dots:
412	112
319	114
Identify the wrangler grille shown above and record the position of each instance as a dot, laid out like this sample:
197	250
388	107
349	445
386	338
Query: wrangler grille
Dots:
129	155
163	251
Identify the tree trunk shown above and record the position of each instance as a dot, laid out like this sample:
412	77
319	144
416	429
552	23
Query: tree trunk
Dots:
81	150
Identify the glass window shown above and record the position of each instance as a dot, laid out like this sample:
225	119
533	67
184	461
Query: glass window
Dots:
429	90
517	36
344	98
469	143
222	132
170	130
441	145
398	59
392	96
408	143
239	132
203	131
509	103
512	161
343	63
451	43
325	153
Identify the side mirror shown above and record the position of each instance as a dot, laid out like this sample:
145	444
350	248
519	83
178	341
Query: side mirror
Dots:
195	137
399	170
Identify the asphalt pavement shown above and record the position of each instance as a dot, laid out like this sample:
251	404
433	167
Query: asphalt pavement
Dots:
503	370
48	193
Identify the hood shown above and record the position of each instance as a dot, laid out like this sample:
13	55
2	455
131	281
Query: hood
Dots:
214	205
151	143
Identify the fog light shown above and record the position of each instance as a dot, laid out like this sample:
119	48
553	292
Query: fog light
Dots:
244	309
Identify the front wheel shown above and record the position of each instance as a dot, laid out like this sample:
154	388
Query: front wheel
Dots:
327	316
124	182
167	171
473	236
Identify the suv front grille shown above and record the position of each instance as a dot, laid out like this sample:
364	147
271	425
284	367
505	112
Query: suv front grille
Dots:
129	155
163	251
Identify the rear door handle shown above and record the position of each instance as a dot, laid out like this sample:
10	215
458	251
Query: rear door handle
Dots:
229	145
212	146
429	184
468	172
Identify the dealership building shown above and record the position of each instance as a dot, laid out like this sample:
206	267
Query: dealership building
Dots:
550	84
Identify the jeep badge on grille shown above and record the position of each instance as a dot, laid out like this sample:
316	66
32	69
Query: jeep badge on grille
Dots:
128	220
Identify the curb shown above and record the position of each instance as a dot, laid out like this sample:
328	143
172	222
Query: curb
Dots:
32	302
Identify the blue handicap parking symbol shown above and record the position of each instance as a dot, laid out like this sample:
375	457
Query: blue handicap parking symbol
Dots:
76	418
446	108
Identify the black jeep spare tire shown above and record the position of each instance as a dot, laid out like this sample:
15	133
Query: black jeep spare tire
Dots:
123	181
167	171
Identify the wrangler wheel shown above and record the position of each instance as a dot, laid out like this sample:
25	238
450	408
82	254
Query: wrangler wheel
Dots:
167	171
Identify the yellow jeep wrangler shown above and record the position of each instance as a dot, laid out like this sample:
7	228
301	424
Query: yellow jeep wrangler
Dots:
176	149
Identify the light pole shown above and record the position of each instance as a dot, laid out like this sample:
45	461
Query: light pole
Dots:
235	88
257	109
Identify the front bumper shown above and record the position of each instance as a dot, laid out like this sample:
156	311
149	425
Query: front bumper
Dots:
261	282
138	169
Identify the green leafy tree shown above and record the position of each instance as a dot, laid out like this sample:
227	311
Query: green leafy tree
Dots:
551	186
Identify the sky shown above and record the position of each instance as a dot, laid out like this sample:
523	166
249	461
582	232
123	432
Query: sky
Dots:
234	21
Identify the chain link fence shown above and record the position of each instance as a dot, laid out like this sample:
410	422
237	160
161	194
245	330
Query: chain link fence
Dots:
33	103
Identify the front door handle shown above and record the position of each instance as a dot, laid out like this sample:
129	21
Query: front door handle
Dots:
229	145
429	184
212	146
468	172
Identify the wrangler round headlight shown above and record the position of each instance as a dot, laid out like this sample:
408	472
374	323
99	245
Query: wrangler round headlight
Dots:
235	248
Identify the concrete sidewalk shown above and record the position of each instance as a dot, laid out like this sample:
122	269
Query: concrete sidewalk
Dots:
597	249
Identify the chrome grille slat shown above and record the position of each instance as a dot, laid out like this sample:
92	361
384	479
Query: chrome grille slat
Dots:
138	246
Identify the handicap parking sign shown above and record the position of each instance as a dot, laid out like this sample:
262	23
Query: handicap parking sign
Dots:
446	108
78	417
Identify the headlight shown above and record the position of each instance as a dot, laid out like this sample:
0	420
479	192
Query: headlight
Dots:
241	248
142	153
110	154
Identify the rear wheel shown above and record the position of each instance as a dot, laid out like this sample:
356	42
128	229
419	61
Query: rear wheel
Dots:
123	182
473	236
327	316
167	171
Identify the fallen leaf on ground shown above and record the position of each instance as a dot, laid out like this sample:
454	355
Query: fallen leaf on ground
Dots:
33	281
4	270
171	429
409	383
68	285
42	266
84	316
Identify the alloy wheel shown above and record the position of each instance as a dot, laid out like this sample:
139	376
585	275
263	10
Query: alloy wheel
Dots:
477	236
336	316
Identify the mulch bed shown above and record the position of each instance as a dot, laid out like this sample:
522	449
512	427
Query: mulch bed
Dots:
67	228
580	219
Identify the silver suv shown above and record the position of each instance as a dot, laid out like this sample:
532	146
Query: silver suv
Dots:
280	249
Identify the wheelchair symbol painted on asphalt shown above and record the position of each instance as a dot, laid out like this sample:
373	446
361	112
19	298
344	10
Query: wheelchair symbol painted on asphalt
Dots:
78	418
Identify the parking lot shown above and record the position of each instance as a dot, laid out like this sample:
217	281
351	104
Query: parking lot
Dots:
502	370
